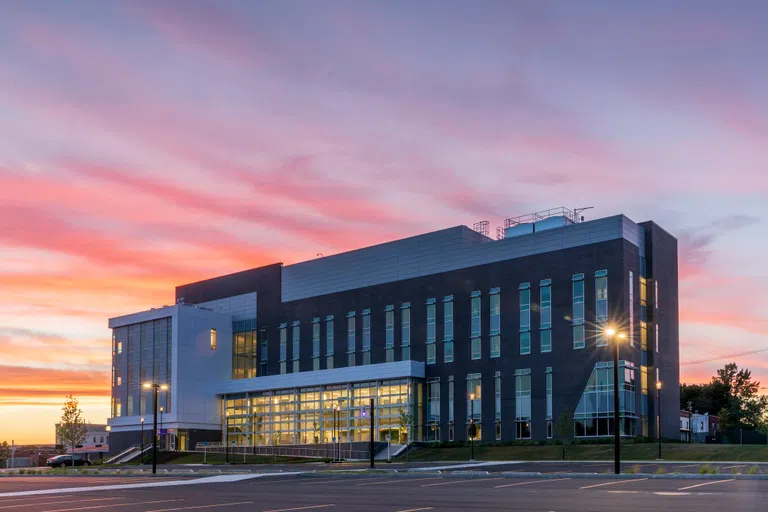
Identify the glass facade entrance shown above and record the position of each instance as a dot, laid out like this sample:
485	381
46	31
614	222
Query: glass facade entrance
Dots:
320	414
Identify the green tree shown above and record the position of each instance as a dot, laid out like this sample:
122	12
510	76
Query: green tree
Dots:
564	428
5	453
746	408
406	418
72	431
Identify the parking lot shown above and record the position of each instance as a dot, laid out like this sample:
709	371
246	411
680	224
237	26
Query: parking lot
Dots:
391	493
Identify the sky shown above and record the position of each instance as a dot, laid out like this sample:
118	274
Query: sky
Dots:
146	144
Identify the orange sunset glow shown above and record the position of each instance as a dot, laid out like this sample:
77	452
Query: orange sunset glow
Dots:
144	146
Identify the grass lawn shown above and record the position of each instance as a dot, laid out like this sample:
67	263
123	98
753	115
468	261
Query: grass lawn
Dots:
644	451
219	458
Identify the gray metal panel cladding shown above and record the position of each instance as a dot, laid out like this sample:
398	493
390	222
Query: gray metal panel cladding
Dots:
440	251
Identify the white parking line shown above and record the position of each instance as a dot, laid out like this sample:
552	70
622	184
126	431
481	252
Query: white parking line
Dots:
112	505
531	482
731	467
4	501
416	509
54	503
613	483
302	508
706	483
196	507
389	481
449	482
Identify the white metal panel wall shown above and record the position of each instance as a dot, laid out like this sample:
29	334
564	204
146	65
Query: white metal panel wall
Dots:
241	307
441	251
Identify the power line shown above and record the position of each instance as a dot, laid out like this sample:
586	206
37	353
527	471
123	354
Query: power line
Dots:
729	356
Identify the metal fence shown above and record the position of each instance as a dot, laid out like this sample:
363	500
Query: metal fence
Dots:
321	451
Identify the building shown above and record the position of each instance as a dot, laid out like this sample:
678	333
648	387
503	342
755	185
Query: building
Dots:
685	426
704	426
444	327
96	443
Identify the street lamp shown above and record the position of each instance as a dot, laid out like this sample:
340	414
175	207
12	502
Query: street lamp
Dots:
226	439
162	436
472	427
142	441
658	408
617	337
335	432
155	388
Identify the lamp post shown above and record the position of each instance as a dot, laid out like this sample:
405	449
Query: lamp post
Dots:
142	441
612	335
472	427
155	388
373	414
335	431
162	436
226	439
658	406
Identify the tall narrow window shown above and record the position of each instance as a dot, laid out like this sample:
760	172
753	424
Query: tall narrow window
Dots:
631	309
433	409
366	336
525	318
475	326
316	343
549	401
389	339
495	322
545	305
657	337
431	332
213	339
295	350
448	329
329	342
578	311
601	305
405	340
283	347
497	403
450	407
475	402
656	295
351	339
523	404
264	353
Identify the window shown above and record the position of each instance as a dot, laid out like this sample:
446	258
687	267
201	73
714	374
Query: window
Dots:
594	412
475	326
366	336
525	318
631	309
119	380
497	403
315	344
433	410
263	358
295	350
549	392
405	340
329	342
525	343
495	323
474	402
213	339
643	299
601	305
656	295
643	336
546	340
450	401
545	306
657	337
119	347
389	340
523	404
448	329
578	336
283	347
431	332
351	339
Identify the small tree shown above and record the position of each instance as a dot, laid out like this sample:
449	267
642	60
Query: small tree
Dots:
406	419
565	428
316	431
5	452
72	431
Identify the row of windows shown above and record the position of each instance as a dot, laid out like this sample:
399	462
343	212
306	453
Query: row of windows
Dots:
577	320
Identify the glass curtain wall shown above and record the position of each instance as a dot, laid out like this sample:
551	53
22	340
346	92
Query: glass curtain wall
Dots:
306	415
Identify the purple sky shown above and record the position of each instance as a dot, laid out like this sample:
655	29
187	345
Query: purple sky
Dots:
145	144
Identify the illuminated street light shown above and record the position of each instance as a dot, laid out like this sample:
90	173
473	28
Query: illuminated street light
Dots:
155	389
611	333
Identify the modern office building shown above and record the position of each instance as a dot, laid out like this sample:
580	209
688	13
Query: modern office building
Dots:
441	329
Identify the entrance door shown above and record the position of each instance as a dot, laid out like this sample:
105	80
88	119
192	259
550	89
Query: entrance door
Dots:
182	442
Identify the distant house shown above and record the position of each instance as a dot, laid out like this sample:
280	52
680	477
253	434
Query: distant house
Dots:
685	426
704	426
96	443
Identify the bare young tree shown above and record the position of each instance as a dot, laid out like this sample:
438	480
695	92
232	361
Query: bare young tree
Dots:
72	431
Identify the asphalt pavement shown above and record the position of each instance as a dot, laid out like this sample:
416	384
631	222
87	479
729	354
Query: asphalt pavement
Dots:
391	493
